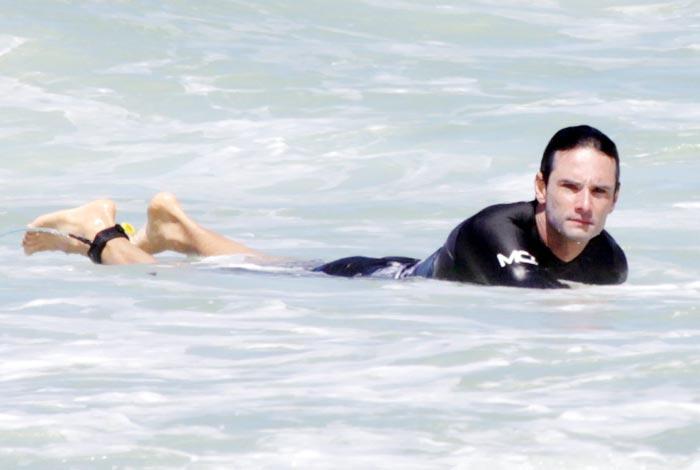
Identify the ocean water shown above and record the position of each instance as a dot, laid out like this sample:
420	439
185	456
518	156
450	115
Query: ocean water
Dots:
317	129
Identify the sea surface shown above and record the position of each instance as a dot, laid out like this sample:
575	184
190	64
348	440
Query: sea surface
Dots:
318	129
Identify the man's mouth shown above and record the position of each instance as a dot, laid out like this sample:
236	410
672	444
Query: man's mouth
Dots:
585	222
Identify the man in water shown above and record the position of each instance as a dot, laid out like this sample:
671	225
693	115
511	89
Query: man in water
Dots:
557	237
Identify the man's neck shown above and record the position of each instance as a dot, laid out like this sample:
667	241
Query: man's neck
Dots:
565	250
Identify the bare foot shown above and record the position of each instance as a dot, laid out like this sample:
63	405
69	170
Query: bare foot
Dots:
85	221
166	228
169	228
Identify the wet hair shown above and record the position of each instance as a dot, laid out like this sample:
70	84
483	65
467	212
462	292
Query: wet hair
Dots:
576	137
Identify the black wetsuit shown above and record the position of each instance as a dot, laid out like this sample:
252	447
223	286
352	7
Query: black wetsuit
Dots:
498	246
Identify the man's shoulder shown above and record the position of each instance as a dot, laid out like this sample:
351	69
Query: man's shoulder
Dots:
609	243
500	216
605	260
522	208
605	241
499	224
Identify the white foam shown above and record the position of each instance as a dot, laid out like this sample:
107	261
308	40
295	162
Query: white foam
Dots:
10	43
687	205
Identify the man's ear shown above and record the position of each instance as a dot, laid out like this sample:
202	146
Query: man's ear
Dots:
616	196
540	188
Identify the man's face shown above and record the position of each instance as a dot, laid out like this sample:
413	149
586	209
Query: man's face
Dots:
580	194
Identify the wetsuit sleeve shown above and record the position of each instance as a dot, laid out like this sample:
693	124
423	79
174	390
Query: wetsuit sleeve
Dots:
493	251
619	273
603	262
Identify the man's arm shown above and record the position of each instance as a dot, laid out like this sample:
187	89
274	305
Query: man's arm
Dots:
492	252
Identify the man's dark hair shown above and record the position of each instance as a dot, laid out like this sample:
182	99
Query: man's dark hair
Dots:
575	137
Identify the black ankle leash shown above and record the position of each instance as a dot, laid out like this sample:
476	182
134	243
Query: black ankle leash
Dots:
97	246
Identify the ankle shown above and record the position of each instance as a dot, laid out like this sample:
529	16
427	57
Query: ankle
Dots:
101	239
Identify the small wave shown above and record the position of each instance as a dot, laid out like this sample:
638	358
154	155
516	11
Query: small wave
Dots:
10	43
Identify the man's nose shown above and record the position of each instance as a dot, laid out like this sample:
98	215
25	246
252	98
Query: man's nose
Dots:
583	202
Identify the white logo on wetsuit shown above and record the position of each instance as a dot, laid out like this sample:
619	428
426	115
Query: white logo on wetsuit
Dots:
517	256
